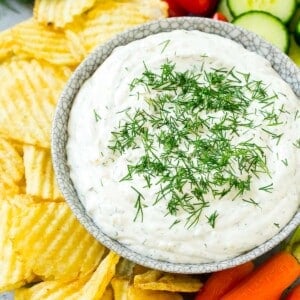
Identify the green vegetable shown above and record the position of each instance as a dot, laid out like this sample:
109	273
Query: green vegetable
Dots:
282	9
267	26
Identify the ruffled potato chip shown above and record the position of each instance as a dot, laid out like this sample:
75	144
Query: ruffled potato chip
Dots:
57	290
96	286
46	43
109	17
123	290
13	271
39	174
6	44
92	286
30	90
120	287
139	294
59	12
11	169
161	281
52	242
51	290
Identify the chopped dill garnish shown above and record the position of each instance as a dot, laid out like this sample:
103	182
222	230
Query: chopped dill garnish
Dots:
174	223
297	144
267	188
277	225
185	136
212	219
274	136
123	110
138	205
285	162
165	45
251	201
97	116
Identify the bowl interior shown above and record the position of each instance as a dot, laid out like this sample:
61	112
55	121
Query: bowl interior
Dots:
280	62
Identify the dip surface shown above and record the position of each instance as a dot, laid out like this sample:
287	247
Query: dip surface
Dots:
241	184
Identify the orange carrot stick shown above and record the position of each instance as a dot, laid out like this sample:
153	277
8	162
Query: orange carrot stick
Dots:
269	280
219	283
294	294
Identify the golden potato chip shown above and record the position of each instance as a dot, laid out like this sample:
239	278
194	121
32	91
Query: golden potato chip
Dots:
51	290
157	280
139	294
6	44
109	17
59	12
92	286
30	90
120	287
11	168
39	174
53	243
76	46
96	286
46	43
14	273
124	291
108	294
56	290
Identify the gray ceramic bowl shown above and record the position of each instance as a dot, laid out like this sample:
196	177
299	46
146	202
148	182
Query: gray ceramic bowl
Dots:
280	62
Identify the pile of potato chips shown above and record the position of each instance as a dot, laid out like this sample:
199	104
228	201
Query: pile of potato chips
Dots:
44	252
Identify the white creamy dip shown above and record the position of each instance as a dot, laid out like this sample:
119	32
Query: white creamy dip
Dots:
228	225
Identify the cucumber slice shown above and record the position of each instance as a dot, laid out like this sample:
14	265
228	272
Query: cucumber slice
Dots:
224	9
283	9
267	26
294	52
297	33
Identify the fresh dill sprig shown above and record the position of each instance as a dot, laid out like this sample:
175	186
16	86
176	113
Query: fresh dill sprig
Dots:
97	116
165	45
251	201
297	144
285	162
212	219
138	205
267	188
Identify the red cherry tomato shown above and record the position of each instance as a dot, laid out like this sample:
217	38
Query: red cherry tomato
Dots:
175	10
219	17
199	7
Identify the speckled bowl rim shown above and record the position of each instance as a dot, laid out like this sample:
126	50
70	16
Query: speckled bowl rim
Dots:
280	62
